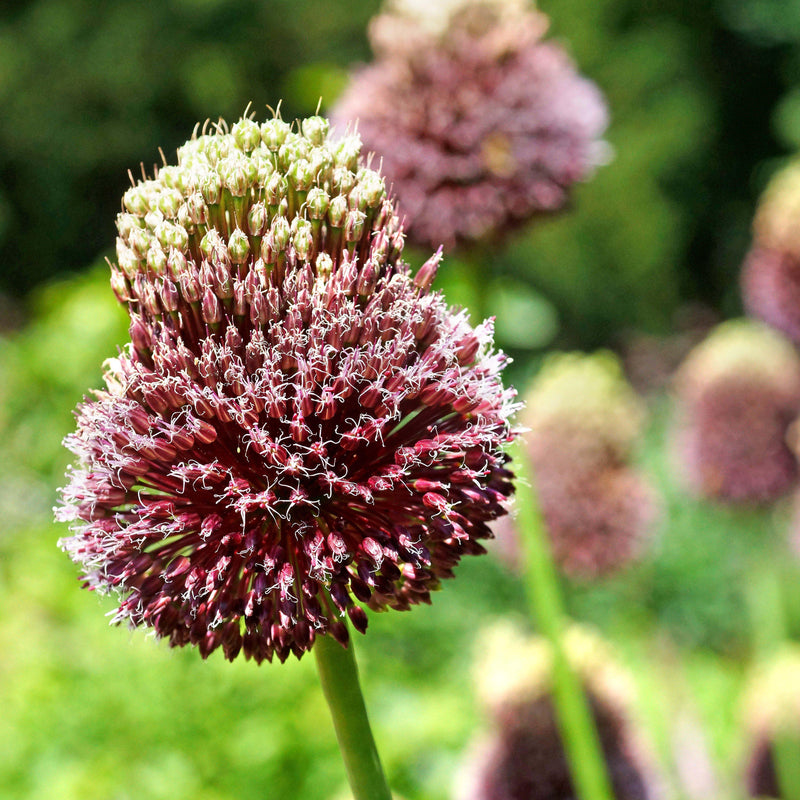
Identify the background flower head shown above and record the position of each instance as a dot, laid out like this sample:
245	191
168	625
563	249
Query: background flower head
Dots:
583	421
737	393
522	756
479	124
771	271
297	422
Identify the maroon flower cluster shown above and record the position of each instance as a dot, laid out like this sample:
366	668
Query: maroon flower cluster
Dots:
738	392
584	420
297	423
771	271
479	126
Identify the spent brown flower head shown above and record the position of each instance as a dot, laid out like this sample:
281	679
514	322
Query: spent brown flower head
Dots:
583	421
298	422
522	756
737	393
479	124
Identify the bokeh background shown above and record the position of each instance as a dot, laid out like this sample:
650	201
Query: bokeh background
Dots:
705	105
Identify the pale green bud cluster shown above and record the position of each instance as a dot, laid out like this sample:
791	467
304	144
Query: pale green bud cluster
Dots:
590	394
254	193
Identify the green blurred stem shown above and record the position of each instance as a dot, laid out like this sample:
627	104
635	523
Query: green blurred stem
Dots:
769	630
339	677
578	731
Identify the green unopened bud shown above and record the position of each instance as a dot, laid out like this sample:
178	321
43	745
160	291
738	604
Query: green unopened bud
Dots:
300	175
293	149
262	169
178	178
234	175
127	223
128	261
152	219
238	247
315	129
280	232
257	219
343	180
354	225
317	203
302	238
198	210
170	235
211	189
246	134
156	259
210	242
274	133
276	188
139	241
321	160
176	264
337	211
348	151
324	266
169	202
371	187
135	200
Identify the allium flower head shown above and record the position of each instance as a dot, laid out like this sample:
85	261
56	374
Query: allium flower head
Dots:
523	756
584	420
480	125
737	392
771	272
772	709
298	422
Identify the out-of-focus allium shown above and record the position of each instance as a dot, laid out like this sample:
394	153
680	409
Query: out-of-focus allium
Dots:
771	271
479	124
772	710
737	393
584	420
523	757
298	421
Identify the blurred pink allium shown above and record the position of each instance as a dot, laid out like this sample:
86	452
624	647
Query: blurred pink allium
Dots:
737	394
478	123
522	756
298	422
584	420
771	272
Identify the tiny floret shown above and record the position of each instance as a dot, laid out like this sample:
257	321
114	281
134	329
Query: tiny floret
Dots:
297	425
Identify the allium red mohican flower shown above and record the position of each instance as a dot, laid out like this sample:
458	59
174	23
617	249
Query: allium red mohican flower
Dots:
297	423
737	394
523	757
584	420
771	272
772	710
480	125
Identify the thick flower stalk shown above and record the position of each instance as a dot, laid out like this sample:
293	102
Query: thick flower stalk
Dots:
737	394
522	756
583	421
771	271
298	423
480	125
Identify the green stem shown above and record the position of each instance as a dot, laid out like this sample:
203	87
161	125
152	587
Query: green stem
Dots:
578	731
339	677
768	624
